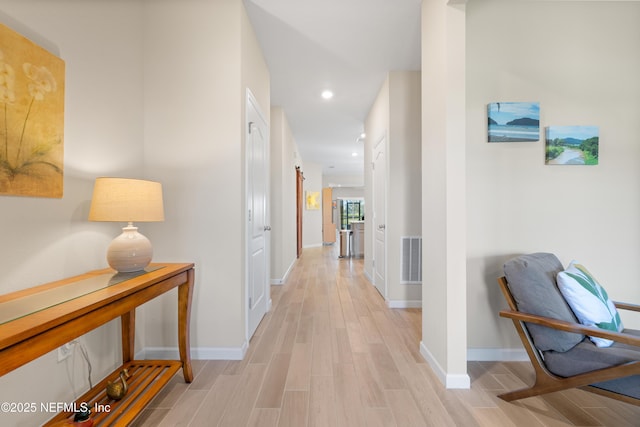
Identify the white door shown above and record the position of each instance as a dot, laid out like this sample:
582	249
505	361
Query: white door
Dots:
258	295
379	216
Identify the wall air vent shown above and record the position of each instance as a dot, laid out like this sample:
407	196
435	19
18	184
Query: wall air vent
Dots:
411	260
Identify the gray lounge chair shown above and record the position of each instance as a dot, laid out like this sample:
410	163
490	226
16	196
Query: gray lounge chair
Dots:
562	355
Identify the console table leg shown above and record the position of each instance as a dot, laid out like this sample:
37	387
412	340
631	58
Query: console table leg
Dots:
185	294
128	321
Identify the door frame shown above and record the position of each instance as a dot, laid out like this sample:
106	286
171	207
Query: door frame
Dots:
299	210
382	140
251	99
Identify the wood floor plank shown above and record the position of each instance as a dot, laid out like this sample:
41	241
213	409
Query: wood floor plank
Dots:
209	375
385	367
295	409
273	386
322	407
371	390
183	411
349	408
264	417
379	417
216	401
404	409
243	400
299	374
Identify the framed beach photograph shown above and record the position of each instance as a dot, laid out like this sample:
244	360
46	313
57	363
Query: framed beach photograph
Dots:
513	121
572	145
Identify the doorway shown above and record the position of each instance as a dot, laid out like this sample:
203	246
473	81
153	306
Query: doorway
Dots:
379	216
258	242
299	185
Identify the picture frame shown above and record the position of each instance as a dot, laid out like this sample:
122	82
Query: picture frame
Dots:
312	199
32	119
513	121
572	145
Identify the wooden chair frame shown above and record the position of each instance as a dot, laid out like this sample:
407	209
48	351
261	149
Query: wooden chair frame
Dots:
547	382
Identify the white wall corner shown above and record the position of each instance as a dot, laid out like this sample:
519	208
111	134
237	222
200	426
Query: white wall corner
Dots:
450	381
286	274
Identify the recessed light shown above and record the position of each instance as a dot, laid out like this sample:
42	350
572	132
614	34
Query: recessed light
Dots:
354	154
363	135
327	94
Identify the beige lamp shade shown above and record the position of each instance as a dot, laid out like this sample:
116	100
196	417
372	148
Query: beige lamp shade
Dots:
127	200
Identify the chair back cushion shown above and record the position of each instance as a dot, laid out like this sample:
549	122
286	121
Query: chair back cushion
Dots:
532	282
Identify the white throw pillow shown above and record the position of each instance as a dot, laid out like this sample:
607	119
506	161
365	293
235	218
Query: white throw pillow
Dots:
589	301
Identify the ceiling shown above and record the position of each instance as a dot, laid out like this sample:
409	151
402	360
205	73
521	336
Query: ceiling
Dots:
346	46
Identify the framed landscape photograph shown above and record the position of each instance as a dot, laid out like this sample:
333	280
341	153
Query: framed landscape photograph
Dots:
513	121
572	145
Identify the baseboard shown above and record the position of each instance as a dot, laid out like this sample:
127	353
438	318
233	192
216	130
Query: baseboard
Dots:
366	275
404	303
197	353
286	275
497	355
450	381
315	245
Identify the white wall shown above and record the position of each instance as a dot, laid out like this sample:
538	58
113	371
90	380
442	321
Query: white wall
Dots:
404	186
311	219
580	61
395	115
283	196
443	191
376	126
140	104
49	239
194	142
356	180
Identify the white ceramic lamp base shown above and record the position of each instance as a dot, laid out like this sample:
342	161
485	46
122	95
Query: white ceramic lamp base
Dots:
130	251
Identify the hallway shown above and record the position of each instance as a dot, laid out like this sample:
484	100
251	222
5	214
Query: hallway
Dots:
330	353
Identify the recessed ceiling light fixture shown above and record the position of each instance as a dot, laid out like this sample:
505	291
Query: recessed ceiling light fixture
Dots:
327	94
354	154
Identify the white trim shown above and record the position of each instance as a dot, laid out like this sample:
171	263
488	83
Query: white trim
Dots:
366	275
286	274
404	303
317	245
197	353
450	381
497	355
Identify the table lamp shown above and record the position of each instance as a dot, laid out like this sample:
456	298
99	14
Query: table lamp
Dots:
127	200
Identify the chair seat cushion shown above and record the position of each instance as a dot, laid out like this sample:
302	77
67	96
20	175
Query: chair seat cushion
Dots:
532	282
587	357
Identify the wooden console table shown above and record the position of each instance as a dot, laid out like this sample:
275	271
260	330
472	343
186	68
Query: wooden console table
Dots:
38	320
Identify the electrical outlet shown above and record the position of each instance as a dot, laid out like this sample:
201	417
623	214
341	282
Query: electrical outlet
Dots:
65	351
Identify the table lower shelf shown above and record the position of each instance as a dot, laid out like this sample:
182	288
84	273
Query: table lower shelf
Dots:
147	377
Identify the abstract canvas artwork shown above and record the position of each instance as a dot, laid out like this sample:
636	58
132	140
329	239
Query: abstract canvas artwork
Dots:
313	200
513	121
572	145
31	118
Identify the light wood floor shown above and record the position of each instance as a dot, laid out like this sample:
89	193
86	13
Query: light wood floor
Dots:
330	353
